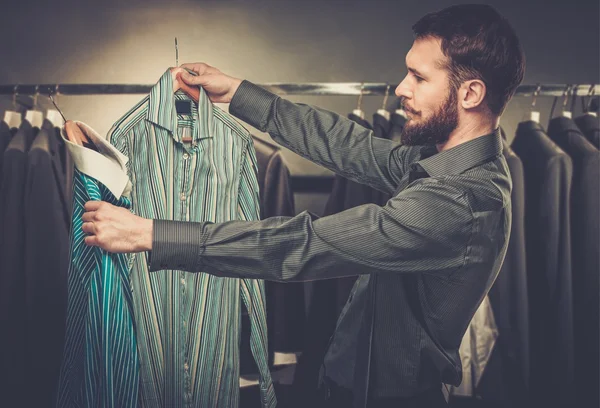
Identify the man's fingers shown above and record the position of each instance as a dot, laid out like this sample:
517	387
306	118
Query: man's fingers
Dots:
91	240
88	216
89	228
92	205
200	68
190	79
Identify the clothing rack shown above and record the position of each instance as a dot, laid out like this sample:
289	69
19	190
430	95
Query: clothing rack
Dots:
313	184
309	88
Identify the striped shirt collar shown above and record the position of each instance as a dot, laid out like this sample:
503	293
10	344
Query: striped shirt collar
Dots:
161	108
462	157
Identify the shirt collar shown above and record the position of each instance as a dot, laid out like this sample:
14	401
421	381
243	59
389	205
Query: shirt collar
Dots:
161	108
108	165
462	157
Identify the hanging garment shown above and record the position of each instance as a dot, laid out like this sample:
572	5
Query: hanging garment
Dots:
13	314
100	366
505	380
548	175
398	121
46	265
585	244
476	349
285	302
188	324
590	127
6	134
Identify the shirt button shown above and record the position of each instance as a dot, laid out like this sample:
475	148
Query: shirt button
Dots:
186	367
184	324
186	156
182	197
182	281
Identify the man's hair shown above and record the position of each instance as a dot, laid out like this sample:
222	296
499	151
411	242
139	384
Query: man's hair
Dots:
479	44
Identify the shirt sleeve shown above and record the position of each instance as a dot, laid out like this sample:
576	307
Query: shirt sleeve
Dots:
323	137
406	235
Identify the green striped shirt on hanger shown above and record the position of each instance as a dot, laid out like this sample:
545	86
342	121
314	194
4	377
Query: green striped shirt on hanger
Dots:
100	360
188	324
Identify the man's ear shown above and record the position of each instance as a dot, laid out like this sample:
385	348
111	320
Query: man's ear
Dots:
472	93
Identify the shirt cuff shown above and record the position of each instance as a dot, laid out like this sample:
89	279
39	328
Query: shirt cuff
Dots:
252	104
176	245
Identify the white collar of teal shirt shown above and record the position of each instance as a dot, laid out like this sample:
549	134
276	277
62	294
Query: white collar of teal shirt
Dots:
108	165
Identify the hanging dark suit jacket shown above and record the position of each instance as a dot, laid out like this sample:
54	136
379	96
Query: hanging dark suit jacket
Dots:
548	174
285	301
46	265
505	380
585	236
12	277
590	127
397	122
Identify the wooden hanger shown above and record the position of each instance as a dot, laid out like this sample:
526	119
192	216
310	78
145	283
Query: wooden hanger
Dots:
75	134
192	92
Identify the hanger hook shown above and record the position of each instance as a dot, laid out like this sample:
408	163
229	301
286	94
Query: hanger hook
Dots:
535	94
35	96
566	96
176	53
385	96
56	91
360	96
15	93
591	93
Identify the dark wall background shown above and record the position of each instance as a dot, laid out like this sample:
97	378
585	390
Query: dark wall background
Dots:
268	41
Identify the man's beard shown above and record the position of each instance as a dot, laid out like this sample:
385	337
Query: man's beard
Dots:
436	129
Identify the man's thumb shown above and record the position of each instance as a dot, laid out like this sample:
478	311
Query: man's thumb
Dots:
193	80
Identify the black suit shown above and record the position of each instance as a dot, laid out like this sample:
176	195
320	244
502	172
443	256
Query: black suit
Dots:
12	277
590	127
505	380
46	264
548	175
585	235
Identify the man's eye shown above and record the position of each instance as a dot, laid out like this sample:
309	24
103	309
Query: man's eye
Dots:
418	78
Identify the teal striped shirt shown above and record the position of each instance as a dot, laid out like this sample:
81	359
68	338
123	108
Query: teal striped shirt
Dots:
188	324
100	360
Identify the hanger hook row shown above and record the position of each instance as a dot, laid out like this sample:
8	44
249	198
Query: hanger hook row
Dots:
566	95
35	96
385	96
360	96
535	94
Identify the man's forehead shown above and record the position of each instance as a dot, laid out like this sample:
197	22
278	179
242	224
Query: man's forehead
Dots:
426	54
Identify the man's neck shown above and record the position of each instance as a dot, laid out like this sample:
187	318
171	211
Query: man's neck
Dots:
467	132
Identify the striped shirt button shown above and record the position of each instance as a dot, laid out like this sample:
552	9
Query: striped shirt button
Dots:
182	197
186	367
186	156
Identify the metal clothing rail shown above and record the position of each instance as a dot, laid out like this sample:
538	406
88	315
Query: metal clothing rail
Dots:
313	88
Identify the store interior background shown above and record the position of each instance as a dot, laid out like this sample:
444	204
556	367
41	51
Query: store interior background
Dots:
269	41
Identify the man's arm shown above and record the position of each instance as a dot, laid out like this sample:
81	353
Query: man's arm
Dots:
323	137
404	236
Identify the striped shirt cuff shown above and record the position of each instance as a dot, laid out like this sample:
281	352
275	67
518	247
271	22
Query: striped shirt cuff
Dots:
176	245
252	104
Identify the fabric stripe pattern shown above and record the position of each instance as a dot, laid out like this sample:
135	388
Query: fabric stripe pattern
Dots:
100	363
188	324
